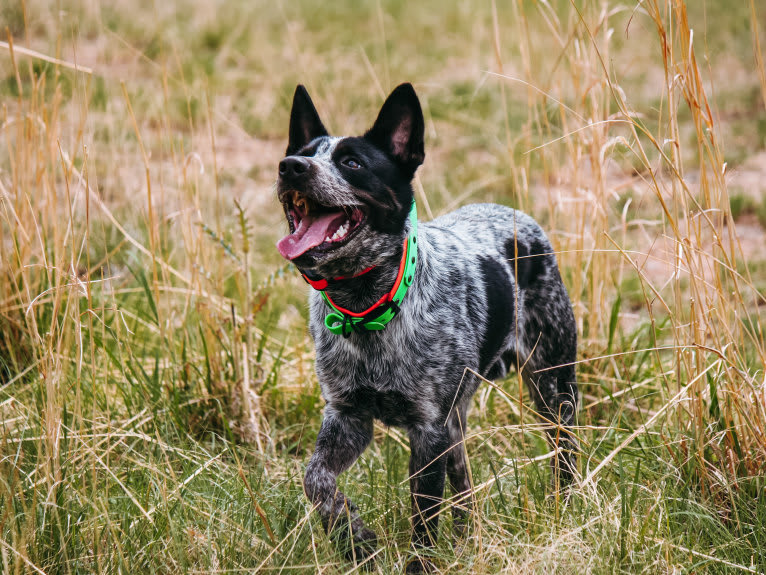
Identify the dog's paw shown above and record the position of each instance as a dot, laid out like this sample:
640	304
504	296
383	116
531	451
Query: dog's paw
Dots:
362	546
560	494
420	565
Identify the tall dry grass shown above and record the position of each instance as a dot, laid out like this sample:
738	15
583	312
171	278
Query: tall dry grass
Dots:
702	303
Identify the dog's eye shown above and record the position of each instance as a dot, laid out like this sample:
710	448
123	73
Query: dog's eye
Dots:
351	163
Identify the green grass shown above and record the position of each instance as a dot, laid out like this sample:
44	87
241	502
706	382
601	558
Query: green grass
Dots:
160	486
159	403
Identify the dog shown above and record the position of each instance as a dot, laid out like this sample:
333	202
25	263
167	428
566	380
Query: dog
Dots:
408	318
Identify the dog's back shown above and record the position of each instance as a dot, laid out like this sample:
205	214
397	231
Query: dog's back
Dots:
509	264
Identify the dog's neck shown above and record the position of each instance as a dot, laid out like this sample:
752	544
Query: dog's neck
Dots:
358	293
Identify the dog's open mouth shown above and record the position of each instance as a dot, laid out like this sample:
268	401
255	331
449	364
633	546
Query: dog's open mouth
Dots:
313	225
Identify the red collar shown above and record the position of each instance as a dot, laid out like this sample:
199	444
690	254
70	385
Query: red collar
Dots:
322	284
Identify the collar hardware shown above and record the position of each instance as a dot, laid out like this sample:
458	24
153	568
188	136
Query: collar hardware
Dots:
344	322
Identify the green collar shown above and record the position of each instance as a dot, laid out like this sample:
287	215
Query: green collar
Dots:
376	317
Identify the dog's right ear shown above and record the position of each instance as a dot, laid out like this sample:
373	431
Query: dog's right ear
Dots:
305	124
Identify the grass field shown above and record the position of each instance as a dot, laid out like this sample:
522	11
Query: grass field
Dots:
158	402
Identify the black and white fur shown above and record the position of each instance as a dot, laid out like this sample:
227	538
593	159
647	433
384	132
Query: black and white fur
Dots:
487	295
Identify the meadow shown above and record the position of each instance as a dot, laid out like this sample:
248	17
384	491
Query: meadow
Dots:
157	396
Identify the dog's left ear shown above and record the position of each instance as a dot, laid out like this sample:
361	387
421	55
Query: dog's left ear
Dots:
400	128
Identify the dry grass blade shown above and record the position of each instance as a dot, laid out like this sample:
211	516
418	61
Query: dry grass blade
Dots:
674	401
33	54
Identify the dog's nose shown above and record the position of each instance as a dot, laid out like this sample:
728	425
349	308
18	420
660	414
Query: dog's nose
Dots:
294	167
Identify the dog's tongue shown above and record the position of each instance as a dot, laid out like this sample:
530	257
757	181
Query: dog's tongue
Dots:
310	233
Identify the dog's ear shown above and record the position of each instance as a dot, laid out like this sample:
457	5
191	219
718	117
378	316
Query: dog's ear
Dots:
399	129
305	124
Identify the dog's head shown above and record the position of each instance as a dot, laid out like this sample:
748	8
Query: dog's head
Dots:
347	199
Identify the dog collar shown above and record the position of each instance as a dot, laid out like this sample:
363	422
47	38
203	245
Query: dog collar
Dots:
376	317
320	284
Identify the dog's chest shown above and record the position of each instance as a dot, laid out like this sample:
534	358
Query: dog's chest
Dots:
376	375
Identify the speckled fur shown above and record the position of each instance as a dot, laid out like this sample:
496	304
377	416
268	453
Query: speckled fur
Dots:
487	296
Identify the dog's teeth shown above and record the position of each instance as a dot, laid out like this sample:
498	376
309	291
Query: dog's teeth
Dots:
340	233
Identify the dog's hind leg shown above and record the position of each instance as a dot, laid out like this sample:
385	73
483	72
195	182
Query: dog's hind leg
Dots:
457	470
341	440
550	375
555	397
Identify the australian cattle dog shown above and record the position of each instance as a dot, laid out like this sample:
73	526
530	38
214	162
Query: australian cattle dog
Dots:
408	317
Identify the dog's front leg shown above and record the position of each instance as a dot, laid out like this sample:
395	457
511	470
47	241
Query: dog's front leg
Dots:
341	440
428	463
